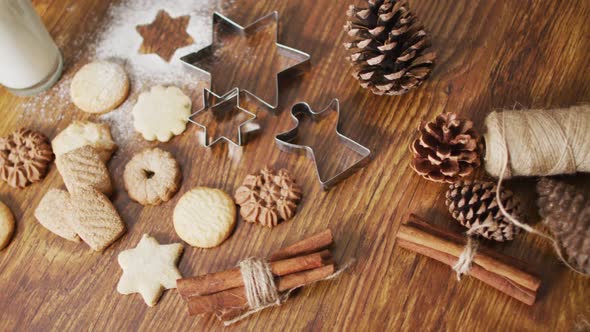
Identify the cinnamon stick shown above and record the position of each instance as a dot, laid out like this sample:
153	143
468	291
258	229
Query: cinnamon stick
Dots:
431	241
235	298
504	265
314	243
524	295
220	281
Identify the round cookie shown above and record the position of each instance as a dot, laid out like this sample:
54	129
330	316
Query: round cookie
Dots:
161	113
204	217
99	87
6	225
152	177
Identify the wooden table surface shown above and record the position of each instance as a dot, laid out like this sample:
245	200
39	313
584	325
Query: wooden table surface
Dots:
491	54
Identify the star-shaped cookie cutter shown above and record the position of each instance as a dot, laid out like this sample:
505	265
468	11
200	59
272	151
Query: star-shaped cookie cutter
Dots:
194	59
213	103
284	141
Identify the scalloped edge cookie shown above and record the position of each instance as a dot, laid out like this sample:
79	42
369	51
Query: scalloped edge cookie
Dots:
161	113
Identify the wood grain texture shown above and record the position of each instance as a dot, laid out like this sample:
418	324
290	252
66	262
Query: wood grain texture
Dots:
491	54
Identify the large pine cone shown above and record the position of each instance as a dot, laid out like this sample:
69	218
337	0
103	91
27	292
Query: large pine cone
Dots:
447	149
566	212
388	47
473	204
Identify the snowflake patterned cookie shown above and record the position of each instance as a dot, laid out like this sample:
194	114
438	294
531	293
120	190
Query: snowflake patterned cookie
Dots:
149	269
24	157
161	113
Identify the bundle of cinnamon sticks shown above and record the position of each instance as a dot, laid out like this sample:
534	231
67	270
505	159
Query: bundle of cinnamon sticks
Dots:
223	293
497	270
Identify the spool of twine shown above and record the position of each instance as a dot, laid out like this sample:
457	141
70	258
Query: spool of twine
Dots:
538	142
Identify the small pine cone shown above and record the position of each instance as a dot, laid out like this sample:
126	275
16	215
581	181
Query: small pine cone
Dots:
446	150
473	204
566	212
388	47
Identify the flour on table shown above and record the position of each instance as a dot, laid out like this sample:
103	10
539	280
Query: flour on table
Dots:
42	105
116	38
120	39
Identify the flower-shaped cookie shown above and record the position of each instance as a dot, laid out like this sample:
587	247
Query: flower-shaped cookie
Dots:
161	113
268	197
24	157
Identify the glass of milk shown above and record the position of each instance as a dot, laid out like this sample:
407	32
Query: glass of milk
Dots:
30	62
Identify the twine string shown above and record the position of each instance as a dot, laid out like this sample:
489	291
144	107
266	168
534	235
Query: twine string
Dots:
258	283
465	260
260	287
517	222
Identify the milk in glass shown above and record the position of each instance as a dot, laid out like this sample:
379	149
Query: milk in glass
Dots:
30	61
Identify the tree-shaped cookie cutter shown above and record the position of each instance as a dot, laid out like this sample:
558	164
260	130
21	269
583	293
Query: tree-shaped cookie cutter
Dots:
285	142
220	101
194	59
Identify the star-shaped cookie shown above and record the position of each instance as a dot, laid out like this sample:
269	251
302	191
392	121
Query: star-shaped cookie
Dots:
164	35
149	269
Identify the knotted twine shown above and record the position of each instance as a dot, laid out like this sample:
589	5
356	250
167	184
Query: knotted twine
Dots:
259	283
532	143
261	290
465	260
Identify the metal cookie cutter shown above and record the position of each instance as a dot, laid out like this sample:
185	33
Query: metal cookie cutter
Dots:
284	141
207	55
217	111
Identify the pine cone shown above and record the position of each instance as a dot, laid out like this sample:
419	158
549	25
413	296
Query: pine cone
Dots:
388	47
447	149
473	204
566	212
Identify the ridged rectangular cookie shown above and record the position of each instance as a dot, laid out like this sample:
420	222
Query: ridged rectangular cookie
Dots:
54	212
95	219
82	168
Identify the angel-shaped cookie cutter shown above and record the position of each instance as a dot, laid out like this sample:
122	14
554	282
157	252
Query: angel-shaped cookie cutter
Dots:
285	142
193	60
232	96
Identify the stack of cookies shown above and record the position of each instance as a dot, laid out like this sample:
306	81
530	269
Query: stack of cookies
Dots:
84	211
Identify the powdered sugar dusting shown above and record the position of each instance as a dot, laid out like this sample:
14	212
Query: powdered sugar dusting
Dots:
116	38
121	40
121	122
48	105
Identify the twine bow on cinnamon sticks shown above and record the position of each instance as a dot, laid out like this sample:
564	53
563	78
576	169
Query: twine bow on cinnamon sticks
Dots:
257	283
499	271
